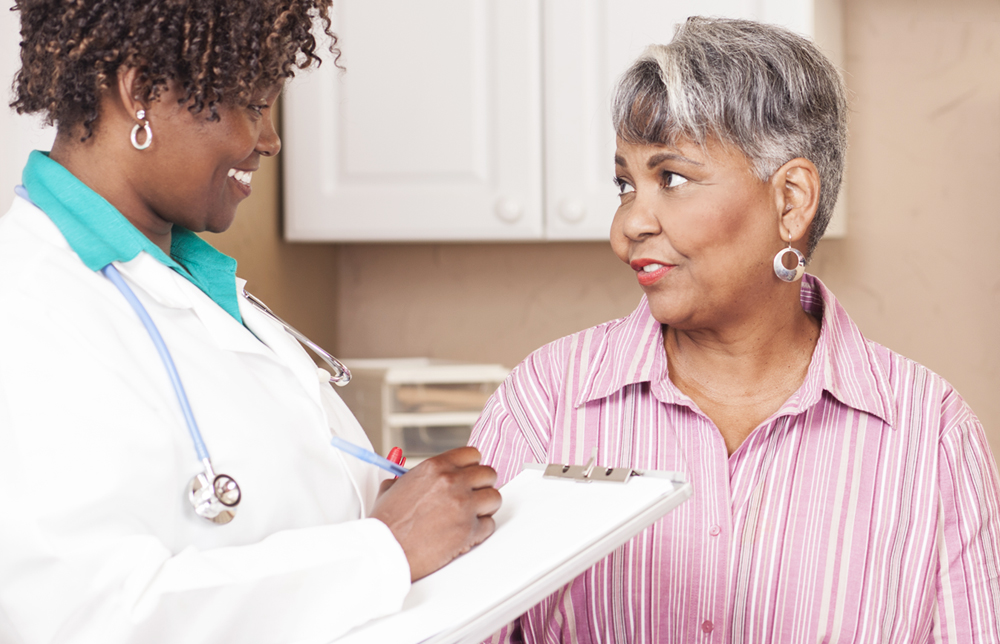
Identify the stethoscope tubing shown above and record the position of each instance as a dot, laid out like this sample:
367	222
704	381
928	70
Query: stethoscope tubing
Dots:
115	277
216	506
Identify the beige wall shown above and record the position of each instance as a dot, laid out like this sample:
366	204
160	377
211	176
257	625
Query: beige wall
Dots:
919	270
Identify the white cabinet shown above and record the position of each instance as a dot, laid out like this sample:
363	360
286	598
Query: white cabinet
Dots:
432	133
463	120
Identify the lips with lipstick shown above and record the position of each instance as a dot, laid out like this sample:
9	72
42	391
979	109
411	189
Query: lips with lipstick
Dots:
648	271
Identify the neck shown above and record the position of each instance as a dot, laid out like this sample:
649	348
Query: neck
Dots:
770	345
741	373
101	164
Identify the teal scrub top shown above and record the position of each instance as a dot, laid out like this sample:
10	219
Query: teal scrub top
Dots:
99	234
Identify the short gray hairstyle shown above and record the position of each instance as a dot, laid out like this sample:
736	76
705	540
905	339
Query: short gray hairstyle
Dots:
760	87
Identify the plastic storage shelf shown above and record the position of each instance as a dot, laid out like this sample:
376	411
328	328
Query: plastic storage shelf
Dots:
422	405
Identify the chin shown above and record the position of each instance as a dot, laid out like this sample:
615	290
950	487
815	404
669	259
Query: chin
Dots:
668	313
219	226
680	310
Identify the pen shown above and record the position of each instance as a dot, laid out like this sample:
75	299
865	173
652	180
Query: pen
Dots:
367	457
396	456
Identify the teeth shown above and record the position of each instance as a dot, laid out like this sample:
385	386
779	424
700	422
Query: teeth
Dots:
241	176
649	268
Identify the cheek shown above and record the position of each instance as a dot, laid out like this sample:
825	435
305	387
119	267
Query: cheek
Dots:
619	242
725	225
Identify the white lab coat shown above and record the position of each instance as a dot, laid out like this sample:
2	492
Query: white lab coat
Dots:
98	542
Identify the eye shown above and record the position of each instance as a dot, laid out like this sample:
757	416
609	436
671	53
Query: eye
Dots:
624	187
672	179
257	109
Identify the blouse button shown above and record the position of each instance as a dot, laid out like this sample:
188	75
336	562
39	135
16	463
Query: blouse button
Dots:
707	626
715	531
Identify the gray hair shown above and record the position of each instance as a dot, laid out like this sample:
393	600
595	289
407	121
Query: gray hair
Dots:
762	88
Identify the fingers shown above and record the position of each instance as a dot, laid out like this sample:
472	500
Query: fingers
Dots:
484	528
464	461
461	456
487	502
440	509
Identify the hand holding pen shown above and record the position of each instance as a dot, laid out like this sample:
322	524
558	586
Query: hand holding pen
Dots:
438	510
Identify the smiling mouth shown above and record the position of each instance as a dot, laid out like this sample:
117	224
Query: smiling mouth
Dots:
243	176
649	272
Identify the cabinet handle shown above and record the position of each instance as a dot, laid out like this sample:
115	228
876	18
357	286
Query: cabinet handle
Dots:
572	211
508	210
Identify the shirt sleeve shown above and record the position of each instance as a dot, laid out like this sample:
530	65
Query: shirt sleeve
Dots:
516	425
968	537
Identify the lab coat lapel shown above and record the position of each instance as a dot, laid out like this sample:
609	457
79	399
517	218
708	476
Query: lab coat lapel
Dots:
261	336
169	289
285	347
340	420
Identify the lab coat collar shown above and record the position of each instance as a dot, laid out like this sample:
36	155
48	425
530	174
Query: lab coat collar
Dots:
257	335
168	289
100	235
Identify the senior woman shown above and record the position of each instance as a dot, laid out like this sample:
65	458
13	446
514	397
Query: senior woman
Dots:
163	110
842	492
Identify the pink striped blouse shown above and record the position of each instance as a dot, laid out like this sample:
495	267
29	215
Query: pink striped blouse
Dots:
866	509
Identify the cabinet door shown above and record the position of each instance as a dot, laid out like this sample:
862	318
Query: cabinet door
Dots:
588	44
432	131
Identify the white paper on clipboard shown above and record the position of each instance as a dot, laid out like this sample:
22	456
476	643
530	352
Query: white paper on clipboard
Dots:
548	532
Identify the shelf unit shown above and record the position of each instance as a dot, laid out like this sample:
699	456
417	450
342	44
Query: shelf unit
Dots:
422	405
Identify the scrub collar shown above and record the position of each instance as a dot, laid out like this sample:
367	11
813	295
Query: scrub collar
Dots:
99	234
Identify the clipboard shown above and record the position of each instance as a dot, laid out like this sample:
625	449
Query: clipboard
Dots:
555	522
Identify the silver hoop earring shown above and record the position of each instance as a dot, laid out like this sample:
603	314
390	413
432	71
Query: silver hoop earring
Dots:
141	115
789	274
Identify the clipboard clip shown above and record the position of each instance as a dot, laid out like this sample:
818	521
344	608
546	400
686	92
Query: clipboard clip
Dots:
590	472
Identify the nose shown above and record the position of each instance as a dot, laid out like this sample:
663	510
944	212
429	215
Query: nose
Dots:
637	218
269	143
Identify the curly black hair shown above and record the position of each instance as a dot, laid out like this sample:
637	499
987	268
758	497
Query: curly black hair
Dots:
219	51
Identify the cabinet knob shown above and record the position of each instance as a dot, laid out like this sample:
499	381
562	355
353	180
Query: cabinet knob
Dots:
572	211
508	210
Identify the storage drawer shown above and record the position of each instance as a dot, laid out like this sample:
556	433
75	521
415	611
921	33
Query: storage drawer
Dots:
427	398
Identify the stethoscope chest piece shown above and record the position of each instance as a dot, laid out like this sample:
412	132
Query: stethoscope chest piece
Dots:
214	497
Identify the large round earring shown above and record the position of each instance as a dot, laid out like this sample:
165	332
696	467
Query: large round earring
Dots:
141	115
789	274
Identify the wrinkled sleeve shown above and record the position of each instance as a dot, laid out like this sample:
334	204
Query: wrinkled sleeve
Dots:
516	425
968	536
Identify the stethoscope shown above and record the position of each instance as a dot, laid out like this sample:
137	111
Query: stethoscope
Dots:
213	496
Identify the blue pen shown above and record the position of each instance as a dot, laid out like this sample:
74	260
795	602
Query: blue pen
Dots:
368	457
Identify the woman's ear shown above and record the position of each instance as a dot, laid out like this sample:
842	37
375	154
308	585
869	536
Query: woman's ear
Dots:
128	91
796	186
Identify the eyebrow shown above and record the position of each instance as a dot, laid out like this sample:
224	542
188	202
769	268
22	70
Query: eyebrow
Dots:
657	159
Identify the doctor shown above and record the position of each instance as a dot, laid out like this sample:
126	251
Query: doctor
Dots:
163	111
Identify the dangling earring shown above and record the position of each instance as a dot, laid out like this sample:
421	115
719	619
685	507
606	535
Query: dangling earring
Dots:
141	115
789	274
